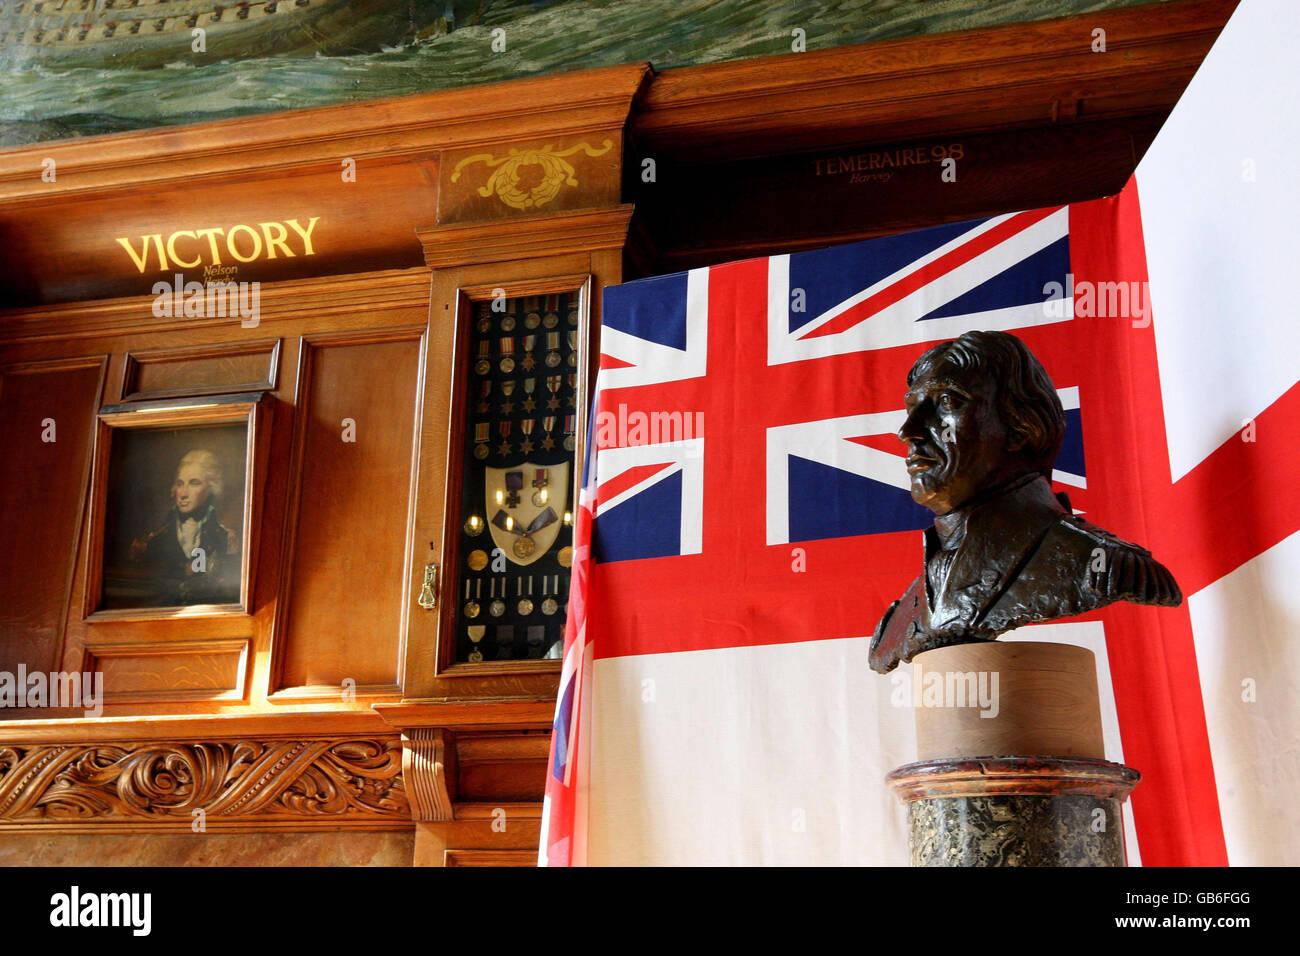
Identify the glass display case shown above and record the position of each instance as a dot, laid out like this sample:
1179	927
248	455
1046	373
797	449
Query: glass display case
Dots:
518	453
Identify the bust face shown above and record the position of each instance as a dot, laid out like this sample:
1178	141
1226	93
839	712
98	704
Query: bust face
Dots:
958	446
191	491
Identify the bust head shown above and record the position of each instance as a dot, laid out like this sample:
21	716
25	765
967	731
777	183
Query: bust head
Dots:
198	482
981	411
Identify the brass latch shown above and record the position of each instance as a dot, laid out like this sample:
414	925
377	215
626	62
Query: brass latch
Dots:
428	593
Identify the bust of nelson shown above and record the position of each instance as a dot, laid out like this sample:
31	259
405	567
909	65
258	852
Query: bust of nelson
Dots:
983	429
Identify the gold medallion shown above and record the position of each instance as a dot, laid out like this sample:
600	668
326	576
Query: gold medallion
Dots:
532	320
475	656
480	452
477	560
508	324
525	607
551	320
565	557
507	365
497	608
471	609
549	606
524	546
482	367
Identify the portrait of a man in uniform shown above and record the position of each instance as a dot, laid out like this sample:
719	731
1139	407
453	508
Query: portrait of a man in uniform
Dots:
983	429
174	506
191	557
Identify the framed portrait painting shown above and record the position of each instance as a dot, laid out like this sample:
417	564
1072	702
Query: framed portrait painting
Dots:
174	508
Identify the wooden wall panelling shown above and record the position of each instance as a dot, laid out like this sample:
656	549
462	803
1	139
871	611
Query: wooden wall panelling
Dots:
47	427
201	370
356	444
1004	77
122	327
482	834
700	213
197	670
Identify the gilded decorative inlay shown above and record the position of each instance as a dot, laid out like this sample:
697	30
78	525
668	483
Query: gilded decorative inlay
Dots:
513	183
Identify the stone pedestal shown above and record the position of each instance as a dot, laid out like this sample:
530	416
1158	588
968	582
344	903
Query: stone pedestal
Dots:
1011	769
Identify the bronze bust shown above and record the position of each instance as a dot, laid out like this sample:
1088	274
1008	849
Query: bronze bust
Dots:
983	429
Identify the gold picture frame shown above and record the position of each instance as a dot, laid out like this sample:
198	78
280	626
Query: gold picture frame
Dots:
175	500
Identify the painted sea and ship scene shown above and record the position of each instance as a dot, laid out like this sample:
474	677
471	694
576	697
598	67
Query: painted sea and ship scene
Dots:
81	67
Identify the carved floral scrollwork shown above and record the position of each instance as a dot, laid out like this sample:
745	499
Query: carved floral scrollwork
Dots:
282	779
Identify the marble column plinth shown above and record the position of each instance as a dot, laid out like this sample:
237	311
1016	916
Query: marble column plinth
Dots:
1014	811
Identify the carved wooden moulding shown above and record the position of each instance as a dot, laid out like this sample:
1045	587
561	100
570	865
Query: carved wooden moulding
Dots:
336	783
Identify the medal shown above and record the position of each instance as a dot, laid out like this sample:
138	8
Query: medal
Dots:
526	446
525	603
474	526
536	637
476	632
508	324
572	357
505	641
530	384
541	494
553	349
504	429
573	317
553	383
471	607
507	389
482	436
525	545
483	365
550	605
548	424
565	557
573	389
551	320
514	484
532	320
506	348
484	325
498	606
568	432
484	390
477	560
529	363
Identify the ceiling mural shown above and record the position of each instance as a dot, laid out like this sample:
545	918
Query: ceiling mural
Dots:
80	67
